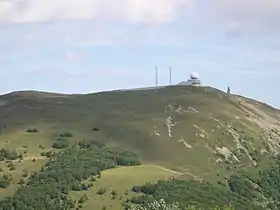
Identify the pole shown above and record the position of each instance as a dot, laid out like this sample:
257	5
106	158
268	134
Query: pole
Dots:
170	75
156	75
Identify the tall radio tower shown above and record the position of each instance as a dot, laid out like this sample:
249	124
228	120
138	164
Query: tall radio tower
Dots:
156	72
170	75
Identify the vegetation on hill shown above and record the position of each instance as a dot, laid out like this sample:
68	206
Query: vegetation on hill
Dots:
6	154
4	181
48	188
243	191
163	205
61	143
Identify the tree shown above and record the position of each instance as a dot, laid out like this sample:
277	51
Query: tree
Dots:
21	182
4	183
25	173
101	191
83	199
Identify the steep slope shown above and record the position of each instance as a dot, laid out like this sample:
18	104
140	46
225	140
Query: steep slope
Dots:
198	131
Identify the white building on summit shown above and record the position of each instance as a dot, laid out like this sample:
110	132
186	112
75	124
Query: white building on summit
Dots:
193	80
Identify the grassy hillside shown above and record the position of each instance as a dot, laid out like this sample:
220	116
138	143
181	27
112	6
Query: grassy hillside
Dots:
173	120
196	132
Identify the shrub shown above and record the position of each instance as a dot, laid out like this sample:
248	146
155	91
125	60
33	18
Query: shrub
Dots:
43	154
41	147
137	200
113	193
25	173
66	135
60	143
136	189
21	182
6	154
32	130
76	187
83	199
4	183
48	154
101	191
6	177
12	168
92	179
149	188
84	186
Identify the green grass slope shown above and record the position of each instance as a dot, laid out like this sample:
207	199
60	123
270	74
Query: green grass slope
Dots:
198	131
121	180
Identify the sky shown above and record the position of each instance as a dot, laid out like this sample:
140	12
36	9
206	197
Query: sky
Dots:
82	46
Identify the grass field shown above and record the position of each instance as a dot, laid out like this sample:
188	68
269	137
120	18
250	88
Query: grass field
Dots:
121	179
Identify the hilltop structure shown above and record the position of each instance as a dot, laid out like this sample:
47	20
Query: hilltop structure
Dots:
228	91
193	80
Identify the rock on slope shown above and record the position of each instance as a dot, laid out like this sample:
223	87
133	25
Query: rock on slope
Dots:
199	131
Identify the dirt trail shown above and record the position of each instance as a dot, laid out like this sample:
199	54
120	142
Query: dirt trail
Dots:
35	157
169	170
197	178
178	174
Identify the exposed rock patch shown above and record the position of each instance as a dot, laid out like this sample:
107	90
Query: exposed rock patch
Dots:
182	140
192	110
236	138
203	133
169	123
227	153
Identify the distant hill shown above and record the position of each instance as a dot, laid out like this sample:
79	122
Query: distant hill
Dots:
197	131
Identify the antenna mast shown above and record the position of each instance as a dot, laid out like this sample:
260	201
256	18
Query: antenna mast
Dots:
170	75
156	75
